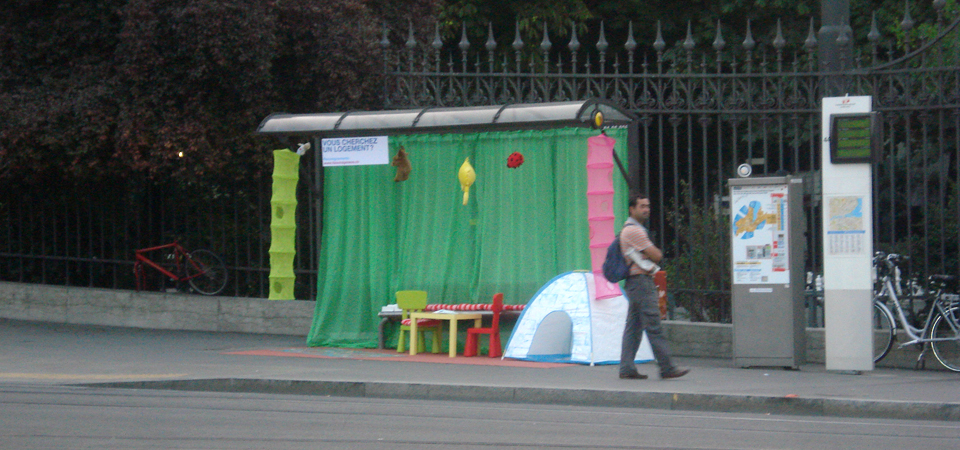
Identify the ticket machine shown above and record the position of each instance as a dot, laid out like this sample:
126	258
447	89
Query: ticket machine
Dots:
767	225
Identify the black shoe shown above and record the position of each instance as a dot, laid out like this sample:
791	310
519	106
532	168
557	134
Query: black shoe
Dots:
633	376
675	373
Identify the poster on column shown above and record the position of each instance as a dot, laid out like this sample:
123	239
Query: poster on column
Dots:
846	230
760	247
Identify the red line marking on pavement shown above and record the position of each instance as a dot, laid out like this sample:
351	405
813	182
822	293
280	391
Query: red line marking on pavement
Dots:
365	354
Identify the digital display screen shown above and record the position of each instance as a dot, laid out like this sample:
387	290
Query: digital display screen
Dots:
853	138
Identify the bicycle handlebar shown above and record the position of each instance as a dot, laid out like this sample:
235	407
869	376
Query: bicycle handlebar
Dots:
891	259
887	264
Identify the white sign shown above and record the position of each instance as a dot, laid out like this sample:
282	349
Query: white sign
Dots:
760	248
355	151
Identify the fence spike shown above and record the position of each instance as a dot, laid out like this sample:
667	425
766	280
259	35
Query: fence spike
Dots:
748	42
689	43
517	41
545	44
938	7
631	43
659	45
437	42
602	41
574	44
874	34
811	42
491	44
719	43
778	41
464	42
907	23
411	40
385	41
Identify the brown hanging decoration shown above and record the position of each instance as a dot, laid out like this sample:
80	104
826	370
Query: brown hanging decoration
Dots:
402	163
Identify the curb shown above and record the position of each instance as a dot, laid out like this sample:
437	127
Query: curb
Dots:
578	397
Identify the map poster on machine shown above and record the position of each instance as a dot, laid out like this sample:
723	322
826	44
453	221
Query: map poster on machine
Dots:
846	231
760	237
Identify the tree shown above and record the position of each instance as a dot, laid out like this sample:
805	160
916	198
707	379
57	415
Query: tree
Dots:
176	87
193	77
56	91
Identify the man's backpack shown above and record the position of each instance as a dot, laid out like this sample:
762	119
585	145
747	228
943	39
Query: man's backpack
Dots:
615	267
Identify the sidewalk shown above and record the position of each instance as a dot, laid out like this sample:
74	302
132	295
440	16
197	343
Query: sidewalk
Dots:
32	352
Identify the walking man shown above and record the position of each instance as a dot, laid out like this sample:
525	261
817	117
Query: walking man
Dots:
644	310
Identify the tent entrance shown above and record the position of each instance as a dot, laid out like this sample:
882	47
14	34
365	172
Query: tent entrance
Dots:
553	337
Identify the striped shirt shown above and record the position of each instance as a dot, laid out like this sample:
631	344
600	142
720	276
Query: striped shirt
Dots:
633	235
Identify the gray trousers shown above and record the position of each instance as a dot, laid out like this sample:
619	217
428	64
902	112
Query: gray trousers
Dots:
643	314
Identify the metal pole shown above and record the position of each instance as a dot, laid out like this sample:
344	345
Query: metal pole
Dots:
835	49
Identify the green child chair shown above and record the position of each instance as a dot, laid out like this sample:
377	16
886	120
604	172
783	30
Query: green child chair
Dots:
416	301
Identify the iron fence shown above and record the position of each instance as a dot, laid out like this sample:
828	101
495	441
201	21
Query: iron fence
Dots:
705	109
85	234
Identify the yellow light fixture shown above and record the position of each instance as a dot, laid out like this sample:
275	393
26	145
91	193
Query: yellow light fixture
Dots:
598	119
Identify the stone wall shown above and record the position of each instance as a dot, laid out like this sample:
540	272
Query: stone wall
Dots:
170	311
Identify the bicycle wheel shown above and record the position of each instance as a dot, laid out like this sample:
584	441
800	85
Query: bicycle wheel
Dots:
883	331
947	327
206	272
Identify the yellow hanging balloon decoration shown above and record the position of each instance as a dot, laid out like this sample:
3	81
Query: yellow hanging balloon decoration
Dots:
467	176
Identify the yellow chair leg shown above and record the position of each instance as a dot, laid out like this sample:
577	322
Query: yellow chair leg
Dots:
436	341
421	346
400	343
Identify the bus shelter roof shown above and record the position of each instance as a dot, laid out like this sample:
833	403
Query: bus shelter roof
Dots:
518	116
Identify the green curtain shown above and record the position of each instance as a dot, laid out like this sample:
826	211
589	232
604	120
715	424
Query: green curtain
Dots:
520	228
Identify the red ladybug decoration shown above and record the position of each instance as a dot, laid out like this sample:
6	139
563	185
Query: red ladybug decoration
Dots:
514	160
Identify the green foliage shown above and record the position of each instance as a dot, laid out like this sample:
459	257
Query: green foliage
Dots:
56	99
701	268
894	40
94	90
190	82
508	16
927	218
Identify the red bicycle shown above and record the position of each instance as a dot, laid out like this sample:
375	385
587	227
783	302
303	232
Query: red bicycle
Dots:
202	269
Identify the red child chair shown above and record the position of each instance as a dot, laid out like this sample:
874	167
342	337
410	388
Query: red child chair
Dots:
470	348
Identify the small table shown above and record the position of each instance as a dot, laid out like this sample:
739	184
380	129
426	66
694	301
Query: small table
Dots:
453	317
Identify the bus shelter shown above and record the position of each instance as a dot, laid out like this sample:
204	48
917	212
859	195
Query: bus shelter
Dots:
521	225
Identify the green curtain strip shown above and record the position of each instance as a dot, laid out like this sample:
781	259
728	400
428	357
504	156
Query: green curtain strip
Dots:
520	229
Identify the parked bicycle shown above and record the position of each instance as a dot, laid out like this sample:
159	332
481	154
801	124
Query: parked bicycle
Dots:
202	269
940	312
